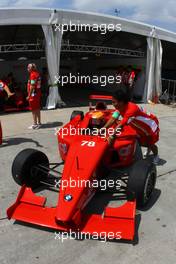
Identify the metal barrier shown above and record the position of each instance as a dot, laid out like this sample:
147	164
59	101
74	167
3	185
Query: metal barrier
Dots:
168	91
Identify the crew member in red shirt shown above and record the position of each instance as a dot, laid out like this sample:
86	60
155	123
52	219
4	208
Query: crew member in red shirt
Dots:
146	125
34	95
131	76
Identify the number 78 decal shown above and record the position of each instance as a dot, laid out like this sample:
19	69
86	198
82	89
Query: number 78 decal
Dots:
88	143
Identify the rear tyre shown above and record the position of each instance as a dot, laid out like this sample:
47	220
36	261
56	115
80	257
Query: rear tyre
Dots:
75	113
23	167
141	181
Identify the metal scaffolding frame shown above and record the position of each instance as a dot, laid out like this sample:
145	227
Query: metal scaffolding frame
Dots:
169	90
29	47
67	47
101	50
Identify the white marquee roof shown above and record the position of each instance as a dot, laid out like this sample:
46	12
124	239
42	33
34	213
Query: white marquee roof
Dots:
51	16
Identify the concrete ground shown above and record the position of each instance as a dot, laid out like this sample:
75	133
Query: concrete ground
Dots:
25	244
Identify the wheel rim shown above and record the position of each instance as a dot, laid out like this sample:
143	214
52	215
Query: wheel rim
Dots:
33	173
36	175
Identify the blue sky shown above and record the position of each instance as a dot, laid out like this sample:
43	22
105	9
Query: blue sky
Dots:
161	13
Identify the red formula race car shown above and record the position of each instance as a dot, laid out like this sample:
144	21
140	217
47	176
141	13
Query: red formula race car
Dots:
15	103
88	159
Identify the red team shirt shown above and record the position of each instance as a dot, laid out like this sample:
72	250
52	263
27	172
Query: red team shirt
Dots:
34	99
145	124
128	78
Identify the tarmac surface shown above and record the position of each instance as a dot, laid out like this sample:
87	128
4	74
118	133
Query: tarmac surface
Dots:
23	244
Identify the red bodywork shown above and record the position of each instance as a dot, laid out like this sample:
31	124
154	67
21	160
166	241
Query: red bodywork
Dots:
16	103
83	161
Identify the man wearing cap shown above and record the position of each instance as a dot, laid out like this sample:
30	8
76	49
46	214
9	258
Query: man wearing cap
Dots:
34	95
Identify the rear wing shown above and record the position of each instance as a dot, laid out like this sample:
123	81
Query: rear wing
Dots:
102	105
100	97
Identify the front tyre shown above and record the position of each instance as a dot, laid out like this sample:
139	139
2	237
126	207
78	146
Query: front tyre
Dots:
24	164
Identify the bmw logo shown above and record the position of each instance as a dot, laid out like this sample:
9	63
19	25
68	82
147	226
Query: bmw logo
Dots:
68	197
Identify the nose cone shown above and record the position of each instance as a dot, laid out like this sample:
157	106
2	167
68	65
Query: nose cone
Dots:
75	189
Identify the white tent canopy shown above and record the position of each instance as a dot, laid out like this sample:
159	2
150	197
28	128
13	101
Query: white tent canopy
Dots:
47	18
53	46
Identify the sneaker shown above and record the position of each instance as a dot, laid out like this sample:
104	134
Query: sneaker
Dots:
38	126
156	160
32	127
146	153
